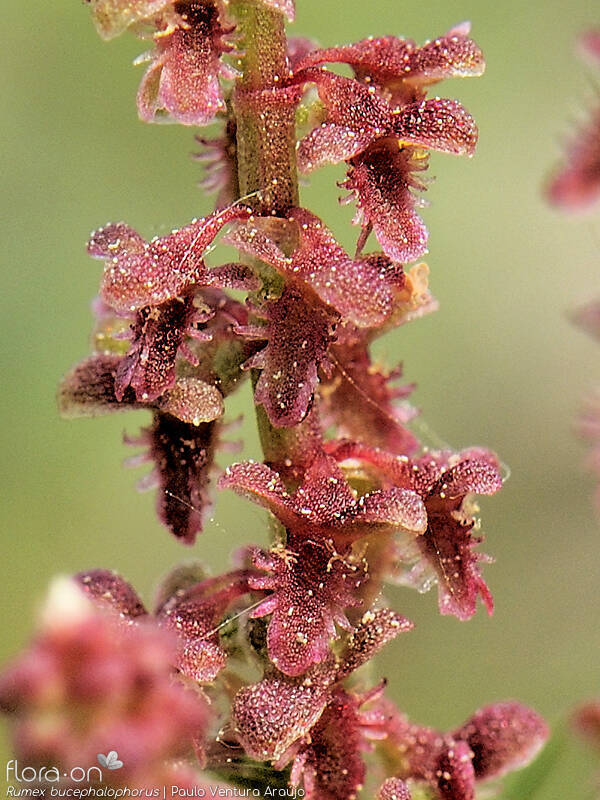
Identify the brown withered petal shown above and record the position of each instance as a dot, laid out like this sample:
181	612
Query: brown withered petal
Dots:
390	58
393	789
183	456
109	590
447	547
183	78
112	17
88	390
157	336
383	180
298	336
502	737
139	273
269	716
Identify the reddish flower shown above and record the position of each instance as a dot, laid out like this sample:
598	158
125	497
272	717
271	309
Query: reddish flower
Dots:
274	716
195	615
324	507
576	185
158	281
139	273
310	584
362	291
382	125
400	66
271	715
445	481
502	737
330	763
110	591
158	335
89	684
183	78
192	612
586	721
324	286
298	337
495	740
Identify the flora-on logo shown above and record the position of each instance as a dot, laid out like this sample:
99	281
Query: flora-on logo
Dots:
110	761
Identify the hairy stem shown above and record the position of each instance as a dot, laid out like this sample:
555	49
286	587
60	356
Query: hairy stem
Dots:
266	154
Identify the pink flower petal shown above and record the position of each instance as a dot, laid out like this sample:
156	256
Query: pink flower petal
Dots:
183	79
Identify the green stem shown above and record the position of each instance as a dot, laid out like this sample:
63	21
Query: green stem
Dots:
266	139
266	154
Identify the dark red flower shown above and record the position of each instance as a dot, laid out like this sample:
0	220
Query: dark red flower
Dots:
158	336
139	273
193	610
273	717
362	291
330	762
298	337
399	65
382	125
310	585
324	287
324	506
183	78
495	740
445	481
502	737
576	184
195	614
357	116
183	456
109	590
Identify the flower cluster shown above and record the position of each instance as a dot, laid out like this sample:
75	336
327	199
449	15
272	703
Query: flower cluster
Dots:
354	499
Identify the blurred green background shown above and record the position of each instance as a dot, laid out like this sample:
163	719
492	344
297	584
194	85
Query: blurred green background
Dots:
500	364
